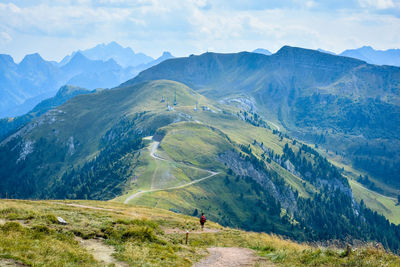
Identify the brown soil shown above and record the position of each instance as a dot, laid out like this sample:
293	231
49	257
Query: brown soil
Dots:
180	231
10	263
232	257
101	252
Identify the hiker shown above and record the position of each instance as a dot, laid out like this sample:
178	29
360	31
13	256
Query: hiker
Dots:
202	221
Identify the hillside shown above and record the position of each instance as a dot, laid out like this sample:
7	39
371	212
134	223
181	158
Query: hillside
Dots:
341	104
10	125
107	233
206	157
65	135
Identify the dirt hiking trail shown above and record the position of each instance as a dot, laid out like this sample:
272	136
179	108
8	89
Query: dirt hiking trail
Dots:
232	257
101	252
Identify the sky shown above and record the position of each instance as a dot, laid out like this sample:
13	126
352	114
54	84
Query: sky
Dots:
55	28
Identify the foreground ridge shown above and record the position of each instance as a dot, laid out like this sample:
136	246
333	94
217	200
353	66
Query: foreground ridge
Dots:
133	235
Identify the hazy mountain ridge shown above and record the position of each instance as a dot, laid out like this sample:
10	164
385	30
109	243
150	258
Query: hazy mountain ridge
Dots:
25	84
32	77
10	125
372	56
125	57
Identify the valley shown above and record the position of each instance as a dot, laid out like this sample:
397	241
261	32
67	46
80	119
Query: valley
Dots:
199	133
187	144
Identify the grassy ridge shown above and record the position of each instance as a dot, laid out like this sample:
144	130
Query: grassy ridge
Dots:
141	236
194	143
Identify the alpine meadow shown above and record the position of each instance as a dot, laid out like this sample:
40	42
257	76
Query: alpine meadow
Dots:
225	154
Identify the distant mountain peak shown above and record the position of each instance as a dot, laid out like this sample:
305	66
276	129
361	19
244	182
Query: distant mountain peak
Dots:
124	56
78	56
262	51
112	61
367	47
372	56
114	44
286	49
35	57
110	45
34	62
166	54
68	90
6	59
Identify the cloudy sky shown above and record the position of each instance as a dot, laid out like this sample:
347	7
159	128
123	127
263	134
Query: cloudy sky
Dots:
55	28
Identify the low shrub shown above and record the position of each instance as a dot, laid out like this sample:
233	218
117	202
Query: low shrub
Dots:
12	227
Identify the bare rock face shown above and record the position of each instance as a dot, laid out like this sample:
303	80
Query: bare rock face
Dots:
244	168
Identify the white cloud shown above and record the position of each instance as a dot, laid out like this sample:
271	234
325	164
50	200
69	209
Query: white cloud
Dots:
379	4
5	38
193	26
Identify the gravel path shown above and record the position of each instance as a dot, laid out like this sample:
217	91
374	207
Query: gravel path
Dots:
232	257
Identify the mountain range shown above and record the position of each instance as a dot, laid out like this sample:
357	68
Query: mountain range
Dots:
124	56
372	56
297	143
257	142
34	79
368	54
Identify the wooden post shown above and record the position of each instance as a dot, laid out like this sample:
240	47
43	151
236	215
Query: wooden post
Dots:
187	237
348	250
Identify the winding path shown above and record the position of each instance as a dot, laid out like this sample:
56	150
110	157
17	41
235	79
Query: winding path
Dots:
156	157
276	126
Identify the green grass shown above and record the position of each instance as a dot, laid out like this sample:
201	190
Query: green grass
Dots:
40	245
240	131
194	143
304	188
139	237
382	204
157	174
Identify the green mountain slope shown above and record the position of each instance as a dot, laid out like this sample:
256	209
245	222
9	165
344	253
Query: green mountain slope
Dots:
214	158
89	129
342	104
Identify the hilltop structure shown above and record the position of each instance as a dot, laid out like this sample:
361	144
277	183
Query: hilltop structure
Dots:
169	108
175	102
